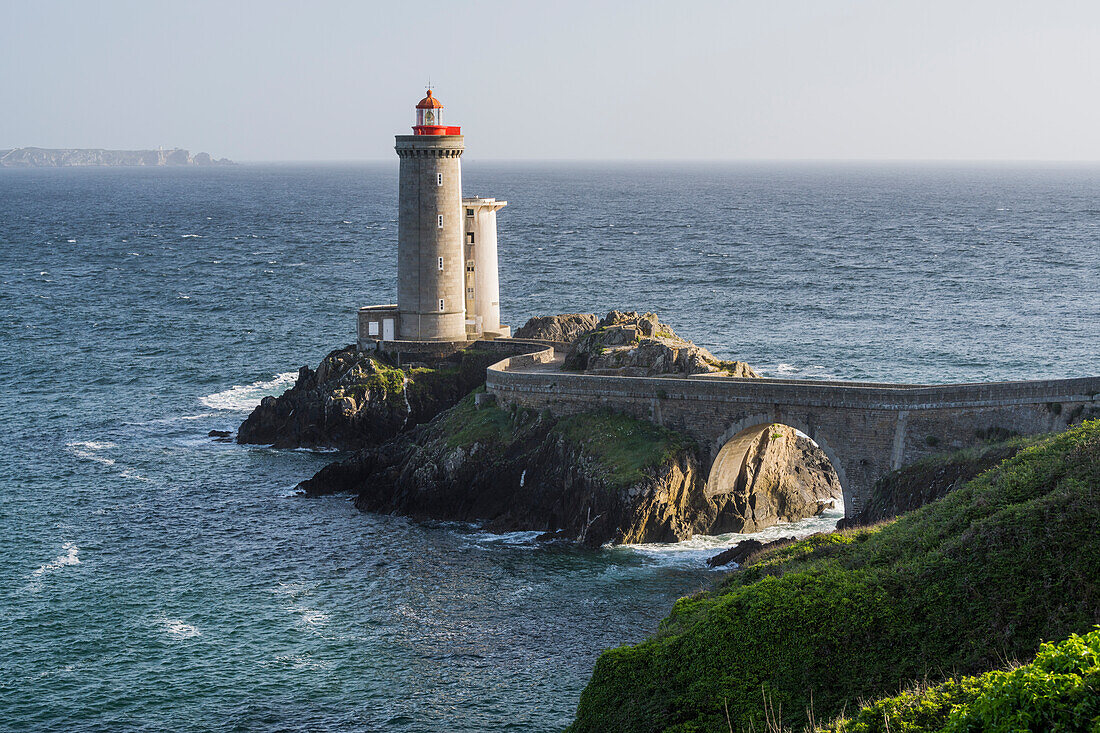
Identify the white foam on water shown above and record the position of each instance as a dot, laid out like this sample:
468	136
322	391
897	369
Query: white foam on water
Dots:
507	538
786	368
174	628
191	236
695	552
311	616
243	398
71	241
86	450
69	556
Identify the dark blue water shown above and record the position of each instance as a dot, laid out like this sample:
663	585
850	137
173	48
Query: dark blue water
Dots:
151	578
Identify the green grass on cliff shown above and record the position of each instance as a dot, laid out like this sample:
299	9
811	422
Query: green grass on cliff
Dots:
381	380
466	424
622	448
956	587
1058	691
625	446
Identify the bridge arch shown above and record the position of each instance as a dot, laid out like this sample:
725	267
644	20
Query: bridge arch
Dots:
731	448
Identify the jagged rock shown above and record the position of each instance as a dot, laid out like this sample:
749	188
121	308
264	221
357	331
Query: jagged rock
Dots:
564	327
357	398
785	478
639	345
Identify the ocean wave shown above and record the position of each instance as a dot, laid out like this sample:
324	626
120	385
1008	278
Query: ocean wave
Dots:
69	556
243	398
694	553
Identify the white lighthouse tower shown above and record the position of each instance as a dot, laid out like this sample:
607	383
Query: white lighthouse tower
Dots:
447	281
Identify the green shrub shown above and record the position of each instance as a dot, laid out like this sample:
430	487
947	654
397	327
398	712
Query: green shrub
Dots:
1059	691
982	575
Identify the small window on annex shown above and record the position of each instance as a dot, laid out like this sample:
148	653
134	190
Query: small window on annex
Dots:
441	221
441	305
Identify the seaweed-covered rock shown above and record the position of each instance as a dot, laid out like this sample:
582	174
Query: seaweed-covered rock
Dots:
564	327
639	345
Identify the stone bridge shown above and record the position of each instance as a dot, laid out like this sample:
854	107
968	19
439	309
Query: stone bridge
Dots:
865	429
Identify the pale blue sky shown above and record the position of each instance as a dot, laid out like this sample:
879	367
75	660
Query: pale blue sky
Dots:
826	79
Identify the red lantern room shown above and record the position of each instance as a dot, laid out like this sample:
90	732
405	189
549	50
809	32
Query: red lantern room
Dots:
429	118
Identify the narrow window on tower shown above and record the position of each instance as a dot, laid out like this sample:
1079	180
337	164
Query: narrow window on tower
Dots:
469	237
441	221
441	305
470	213
439	179
440	263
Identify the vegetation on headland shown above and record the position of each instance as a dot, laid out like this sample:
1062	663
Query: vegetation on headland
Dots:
622	450
957	587
1058	691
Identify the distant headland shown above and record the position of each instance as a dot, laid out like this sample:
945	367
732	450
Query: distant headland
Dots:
72	157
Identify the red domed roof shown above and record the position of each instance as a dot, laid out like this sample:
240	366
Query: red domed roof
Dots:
429	102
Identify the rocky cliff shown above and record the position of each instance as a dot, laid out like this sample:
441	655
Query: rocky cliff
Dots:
355	399
71	157
593	478
639	345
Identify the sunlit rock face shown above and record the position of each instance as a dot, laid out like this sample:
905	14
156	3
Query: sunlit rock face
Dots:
639	345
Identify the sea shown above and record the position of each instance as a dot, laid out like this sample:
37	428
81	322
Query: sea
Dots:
152	578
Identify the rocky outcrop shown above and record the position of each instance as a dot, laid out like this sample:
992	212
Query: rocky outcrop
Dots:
639	345
785	477
592	478
71	157
355	399
565	327
742	551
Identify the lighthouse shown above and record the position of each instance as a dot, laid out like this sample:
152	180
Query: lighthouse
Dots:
430	300
447	280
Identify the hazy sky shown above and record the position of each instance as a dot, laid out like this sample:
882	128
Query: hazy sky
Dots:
833	79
